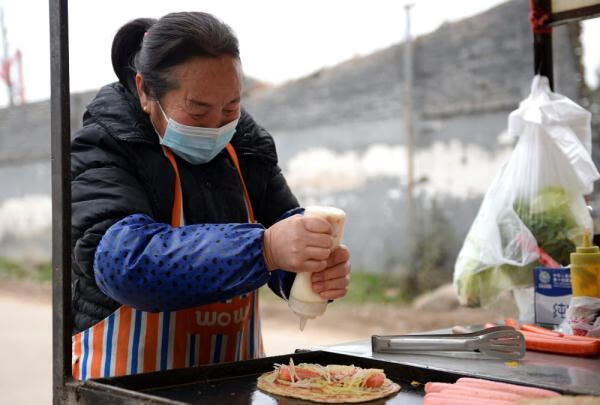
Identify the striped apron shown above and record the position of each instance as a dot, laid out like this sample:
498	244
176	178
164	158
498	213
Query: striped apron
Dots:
130	341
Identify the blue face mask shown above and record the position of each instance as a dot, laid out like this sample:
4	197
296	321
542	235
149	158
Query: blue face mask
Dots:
196	145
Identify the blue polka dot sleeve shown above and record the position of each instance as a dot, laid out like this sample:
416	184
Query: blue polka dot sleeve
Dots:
155	267
281	281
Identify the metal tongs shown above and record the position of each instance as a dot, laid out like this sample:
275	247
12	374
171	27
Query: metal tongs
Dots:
502	342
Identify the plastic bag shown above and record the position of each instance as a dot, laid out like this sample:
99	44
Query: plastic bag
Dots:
536	201
582	317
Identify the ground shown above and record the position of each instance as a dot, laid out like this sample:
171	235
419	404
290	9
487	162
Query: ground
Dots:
26	333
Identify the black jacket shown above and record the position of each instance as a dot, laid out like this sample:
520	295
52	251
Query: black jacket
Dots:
118	169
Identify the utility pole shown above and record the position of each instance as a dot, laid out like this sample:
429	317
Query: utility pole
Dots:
4	62
408	113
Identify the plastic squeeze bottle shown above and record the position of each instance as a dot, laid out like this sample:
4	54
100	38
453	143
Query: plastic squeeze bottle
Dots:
585	269
305	303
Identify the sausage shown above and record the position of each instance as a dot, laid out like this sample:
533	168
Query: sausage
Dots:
513	388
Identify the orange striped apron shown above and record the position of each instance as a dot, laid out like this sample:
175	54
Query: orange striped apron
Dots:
130	341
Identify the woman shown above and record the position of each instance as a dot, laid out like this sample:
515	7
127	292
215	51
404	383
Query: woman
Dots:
180	212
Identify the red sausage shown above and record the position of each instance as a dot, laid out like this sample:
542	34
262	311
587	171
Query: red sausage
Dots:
375	381
529	392
538	329
552	344
438	398
301	373
471	391
431	387
512	322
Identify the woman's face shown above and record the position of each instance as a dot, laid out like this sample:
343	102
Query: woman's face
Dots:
208	94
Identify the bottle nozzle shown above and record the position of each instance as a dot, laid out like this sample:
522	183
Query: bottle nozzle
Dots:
586	239
302	323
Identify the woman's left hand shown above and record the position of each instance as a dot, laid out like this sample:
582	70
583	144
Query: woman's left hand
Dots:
332	282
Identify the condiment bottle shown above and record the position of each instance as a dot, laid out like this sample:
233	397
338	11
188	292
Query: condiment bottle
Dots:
585	269
303	301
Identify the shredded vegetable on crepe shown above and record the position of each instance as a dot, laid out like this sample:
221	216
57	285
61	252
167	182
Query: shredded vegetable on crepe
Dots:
328	384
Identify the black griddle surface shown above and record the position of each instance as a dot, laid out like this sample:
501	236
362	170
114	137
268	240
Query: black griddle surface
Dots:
235	383
242	390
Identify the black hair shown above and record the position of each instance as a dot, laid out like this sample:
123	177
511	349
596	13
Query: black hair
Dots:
153	47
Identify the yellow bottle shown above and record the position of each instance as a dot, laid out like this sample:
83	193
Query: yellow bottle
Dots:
585	269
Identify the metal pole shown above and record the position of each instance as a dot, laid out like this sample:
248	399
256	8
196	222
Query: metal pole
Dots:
19	61
9	85
542	42
408	113
61	197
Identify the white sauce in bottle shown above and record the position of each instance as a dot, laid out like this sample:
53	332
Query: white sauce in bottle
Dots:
305	303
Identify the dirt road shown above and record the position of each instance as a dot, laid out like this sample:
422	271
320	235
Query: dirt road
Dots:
25	346
26	334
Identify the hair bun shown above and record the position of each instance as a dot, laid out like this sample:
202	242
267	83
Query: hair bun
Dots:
125	46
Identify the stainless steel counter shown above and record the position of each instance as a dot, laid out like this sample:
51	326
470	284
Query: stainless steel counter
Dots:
575	375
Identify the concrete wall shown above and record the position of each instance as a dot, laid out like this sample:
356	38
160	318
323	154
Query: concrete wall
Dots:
340	133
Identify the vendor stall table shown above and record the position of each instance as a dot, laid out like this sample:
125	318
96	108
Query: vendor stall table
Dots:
576	375
236	382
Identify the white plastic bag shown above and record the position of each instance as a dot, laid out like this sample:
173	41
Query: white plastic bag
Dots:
582	317
536	201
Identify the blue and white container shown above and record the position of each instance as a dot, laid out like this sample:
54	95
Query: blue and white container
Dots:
552	294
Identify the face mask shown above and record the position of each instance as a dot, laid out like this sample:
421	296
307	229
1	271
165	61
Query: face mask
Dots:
196	144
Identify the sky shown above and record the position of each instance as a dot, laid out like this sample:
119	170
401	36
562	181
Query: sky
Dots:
279	40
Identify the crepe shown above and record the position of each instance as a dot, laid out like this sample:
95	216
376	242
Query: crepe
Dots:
327	384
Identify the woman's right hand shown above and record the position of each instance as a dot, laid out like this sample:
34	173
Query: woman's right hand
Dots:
298	244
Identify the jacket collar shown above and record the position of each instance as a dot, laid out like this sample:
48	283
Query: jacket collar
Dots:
120	113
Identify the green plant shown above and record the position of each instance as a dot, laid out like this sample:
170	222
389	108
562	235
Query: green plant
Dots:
369	287
41	272
12	269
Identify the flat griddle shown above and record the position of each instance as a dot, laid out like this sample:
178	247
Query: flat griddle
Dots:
572	374
235	383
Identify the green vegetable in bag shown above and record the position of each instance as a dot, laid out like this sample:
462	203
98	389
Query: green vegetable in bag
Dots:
482	287
550	219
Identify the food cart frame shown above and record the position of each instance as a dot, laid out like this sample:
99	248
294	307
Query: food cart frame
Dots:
65	388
